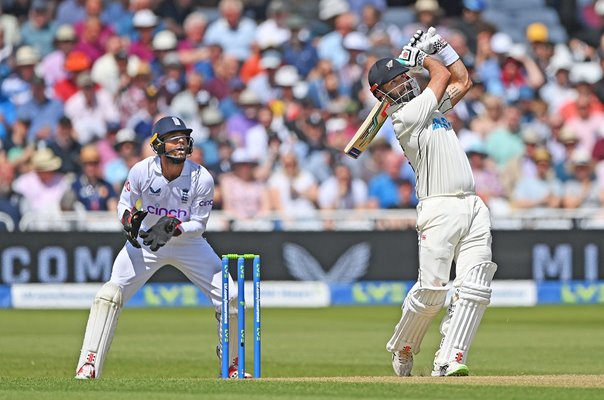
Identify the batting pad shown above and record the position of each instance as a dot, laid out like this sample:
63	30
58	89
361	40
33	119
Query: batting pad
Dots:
473	297
419	309
101	326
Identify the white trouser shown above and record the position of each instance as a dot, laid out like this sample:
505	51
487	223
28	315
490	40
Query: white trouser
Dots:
451	228
195	258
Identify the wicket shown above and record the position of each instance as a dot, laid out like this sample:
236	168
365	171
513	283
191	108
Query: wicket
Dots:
241	313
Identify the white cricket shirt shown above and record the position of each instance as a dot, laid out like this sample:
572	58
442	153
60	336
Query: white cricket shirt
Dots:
189	197
432	148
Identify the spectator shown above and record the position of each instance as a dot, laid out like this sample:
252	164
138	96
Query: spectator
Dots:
471	22
17	86
142	122
145	22
239	124
93	35
185	105
65	145
583	190
9	26
174	14
52	66
76	63
505	143
91	108
226	69
191	48
264	82
8	115
586	123
342	192
127	146
519	72
406	193
286	105
111	69
124	24
18	148
164	43
491	118
377	31
487	181
172	80
232	31
273	32
542	190
44	112
71	12
356	44
132	98
106	146
39	29
6	50
213	120
558	90
243	196
299	50
194	27
383	188
43	187
10	201
563	167
331	46
293	191
89	190
522	165
542	49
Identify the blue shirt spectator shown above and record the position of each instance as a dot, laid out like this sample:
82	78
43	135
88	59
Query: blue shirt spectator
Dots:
71	12
39	30
232	31
43	112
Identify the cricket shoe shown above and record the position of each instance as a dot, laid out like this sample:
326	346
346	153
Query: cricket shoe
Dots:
87	371
402	361
234	373
451	369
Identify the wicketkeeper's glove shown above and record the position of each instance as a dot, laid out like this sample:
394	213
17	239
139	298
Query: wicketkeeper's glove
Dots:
159	234
132	224
412	58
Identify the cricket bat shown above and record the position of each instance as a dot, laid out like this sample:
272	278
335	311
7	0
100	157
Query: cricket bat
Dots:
368	129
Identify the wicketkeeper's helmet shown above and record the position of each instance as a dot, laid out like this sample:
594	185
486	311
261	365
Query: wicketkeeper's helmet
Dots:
165	126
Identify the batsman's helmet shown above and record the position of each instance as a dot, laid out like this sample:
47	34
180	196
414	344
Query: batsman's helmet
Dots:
165	126
386	69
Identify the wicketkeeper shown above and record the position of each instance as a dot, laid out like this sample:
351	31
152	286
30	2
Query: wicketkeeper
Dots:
453	223
176	197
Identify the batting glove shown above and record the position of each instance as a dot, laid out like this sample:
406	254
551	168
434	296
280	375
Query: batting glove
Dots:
412	58
132	224
161	232
432	43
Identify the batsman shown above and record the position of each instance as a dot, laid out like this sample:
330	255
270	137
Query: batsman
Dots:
176	197
453	223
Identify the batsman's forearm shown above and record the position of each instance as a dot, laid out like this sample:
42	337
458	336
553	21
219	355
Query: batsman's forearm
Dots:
459	83
439	77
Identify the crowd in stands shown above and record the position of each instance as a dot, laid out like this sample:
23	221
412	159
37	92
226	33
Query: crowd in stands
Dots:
274	90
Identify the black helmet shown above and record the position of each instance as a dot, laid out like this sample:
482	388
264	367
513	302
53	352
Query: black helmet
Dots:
165	126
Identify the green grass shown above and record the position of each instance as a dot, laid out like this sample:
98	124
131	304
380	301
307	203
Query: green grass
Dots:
170	354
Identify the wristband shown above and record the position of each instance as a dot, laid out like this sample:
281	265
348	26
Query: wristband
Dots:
449	55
